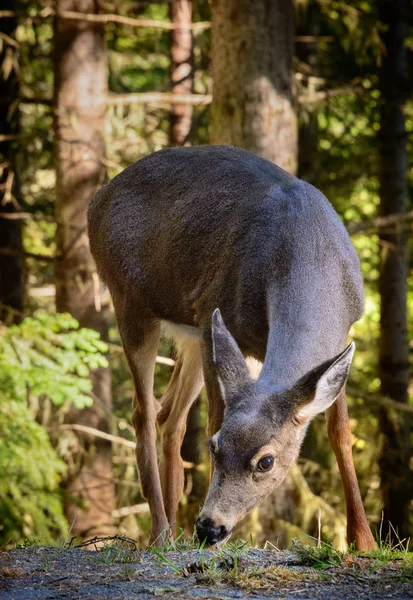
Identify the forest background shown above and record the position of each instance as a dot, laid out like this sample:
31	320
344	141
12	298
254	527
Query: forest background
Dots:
324	89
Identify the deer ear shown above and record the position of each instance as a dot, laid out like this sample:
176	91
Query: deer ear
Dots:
232	370
320	387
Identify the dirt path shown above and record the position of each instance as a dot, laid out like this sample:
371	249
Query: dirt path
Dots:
39	573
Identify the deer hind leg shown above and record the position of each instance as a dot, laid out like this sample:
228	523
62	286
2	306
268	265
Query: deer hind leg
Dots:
339	433
140	338
184	387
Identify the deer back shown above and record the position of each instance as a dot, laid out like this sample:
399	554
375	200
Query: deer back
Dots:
214	226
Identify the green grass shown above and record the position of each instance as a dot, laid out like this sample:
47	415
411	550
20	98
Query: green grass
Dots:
164	559
264	578
127	571
322	556
28	542
396	553
387	554
167	543
115	550
229	565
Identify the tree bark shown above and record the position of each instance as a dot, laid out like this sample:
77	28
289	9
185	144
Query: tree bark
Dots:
79	120
12	265
181	70
396	476
253	96
307	53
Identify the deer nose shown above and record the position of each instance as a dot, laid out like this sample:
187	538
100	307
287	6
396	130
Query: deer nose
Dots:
206	529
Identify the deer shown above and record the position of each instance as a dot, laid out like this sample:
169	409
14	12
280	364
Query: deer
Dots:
231	257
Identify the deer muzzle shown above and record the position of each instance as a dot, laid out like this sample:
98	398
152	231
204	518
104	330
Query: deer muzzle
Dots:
214	533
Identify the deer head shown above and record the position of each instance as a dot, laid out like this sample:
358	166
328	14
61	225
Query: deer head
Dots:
262	431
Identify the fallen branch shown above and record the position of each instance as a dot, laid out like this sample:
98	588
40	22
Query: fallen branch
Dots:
379	222
160	98
125	511
115	439
169	98
112	18
99	540
164	360
154	98
16	216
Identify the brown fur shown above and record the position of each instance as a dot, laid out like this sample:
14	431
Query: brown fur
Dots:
339	433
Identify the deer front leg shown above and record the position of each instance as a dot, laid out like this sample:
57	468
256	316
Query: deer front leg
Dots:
185	385
339	434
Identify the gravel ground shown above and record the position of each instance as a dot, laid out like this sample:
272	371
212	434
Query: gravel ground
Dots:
40	573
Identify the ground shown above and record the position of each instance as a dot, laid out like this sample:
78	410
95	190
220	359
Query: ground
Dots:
119	571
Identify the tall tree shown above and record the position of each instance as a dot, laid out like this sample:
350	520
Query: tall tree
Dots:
396	476
79	119
11	249
181	69
253	99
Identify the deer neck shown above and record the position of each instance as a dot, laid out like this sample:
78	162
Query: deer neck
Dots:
301	336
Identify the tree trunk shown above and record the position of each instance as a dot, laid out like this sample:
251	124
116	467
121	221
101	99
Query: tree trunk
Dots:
396	476
181	70
11	261
307	54
253	97
79	120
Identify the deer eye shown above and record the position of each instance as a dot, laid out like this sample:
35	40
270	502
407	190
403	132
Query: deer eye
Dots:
265	463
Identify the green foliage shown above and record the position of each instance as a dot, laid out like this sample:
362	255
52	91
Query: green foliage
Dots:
45	357
30	472
49	356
